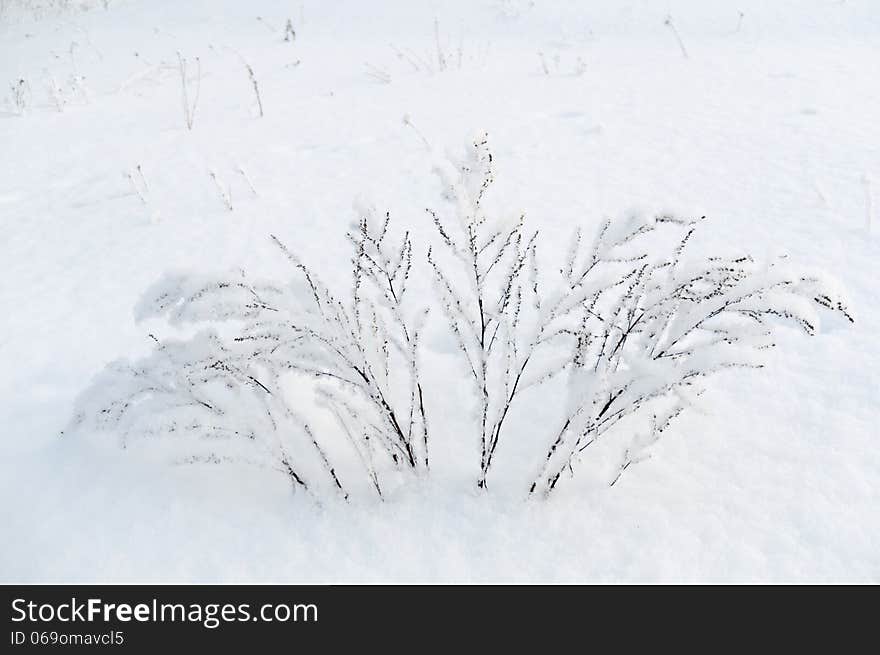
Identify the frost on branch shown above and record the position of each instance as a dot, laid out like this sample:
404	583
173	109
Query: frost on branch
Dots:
230	391
651	326
631	327
486	277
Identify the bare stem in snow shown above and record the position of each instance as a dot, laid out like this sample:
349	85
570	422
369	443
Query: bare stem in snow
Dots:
380	75
143	179
247	179
265	23
441	57
225	194
256	87
189	107
668	22
543	63
140	187
408	122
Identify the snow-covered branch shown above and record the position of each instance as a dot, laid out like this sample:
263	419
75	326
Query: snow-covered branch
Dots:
630	327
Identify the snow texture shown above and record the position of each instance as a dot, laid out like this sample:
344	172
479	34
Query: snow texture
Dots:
761	117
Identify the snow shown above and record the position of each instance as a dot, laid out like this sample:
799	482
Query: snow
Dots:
768	128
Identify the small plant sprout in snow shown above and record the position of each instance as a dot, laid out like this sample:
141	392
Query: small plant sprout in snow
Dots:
628	329
21	96
578	68
79	89
440	58
139	183
56	94
61	96
289	33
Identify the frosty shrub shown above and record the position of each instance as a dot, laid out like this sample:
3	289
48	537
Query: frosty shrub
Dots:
628	327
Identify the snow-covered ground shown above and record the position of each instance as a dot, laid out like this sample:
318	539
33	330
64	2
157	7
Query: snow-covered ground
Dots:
769	126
